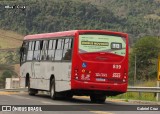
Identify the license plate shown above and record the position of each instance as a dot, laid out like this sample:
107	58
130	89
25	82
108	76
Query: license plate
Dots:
100	79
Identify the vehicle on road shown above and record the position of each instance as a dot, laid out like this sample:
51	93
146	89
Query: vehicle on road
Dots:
77	62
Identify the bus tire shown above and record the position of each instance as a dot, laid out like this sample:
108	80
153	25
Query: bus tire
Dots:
98	98
31	91
52	90
69	96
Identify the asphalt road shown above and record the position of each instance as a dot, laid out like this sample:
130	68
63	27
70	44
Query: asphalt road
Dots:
81	104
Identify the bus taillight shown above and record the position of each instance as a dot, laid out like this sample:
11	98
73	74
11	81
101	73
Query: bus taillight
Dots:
76	74
125	76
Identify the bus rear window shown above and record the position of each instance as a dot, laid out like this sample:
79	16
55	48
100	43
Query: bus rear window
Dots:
102	43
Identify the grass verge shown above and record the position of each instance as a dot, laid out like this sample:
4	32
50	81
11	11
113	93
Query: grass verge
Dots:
139	95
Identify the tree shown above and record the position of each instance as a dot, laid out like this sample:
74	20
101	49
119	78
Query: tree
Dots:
8	72
5	74
145	51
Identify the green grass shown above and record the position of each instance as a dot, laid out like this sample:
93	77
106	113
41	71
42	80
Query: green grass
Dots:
136	96
149	83
139	96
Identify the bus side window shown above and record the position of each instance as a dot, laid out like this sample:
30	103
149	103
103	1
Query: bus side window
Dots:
70	43
67	52
59	50
51	49
36	51
30	50
44	50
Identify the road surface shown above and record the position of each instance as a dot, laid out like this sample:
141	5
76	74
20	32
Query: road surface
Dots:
81	104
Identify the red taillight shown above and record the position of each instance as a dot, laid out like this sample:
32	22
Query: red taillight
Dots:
76	74
86	71
125	77
75	70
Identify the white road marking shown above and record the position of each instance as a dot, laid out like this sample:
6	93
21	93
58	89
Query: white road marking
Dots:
46	102
100	112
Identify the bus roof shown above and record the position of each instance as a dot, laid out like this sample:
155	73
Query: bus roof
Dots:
49	35
68	33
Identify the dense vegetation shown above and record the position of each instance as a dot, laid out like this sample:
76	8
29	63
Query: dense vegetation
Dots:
6	71
144	59
136	17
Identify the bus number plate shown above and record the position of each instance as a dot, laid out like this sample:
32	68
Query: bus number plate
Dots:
100	79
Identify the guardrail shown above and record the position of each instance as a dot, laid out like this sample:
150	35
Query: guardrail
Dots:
144	89
130	89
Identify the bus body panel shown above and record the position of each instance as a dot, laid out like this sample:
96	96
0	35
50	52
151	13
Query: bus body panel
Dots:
100	67
24	70
61	71
22	82
112	82
88	81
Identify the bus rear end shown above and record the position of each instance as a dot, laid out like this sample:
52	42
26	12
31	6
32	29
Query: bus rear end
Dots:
100	64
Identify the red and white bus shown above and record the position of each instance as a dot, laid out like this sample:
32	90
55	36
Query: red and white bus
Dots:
77	62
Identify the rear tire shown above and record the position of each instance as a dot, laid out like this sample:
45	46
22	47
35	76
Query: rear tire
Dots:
98	98
52	90
69	96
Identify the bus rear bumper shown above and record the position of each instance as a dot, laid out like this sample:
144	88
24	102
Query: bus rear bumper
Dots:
117	87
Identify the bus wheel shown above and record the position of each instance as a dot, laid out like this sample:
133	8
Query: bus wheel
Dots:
31	91
52	90
98	98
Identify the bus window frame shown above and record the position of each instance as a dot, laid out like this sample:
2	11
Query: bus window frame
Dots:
38	57
42	39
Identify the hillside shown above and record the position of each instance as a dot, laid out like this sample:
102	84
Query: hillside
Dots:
136	17
142	16
10	39
9	58
124	8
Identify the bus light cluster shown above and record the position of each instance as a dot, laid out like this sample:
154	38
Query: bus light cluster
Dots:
84	76
76	73
86	71
125	76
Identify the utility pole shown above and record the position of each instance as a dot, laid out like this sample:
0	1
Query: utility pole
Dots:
158	78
